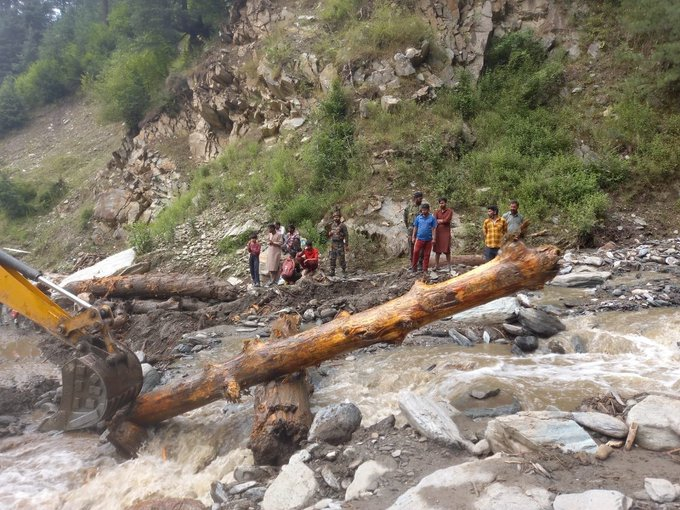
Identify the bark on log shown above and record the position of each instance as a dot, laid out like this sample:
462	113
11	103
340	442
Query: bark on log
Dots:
282	419
516	268
156	286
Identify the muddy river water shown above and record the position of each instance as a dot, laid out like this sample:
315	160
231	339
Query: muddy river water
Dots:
626	352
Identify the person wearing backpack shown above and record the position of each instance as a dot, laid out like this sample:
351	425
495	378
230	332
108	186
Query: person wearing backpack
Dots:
289	271
253	249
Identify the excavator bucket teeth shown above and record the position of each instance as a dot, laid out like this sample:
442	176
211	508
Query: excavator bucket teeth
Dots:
95	386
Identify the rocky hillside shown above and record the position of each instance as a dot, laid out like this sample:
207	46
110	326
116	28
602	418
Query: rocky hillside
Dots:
262	82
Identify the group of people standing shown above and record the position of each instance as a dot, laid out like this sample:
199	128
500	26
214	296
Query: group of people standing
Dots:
496	227
429	232
288	259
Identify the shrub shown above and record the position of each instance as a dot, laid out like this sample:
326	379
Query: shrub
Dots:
338	12
12	107
16	197
233	243
140	238
131	83
42	83
390	28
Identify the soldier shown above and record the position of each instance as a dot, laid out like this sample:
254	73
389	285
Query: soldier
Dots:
339	243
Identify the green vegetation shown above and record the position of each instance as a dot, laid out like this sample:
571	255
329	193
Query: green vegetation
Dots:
122	49
19	199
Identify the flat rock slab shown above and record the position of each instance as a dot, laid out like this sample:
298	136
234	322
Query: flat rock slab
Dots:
602	423
432	419
530	431
293	488
365	479
599	499
581	279
495	312
452	487
658	420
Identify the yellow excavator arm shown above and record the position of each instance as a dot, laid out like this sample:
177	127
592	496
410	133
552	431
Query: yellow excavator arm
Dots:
103	378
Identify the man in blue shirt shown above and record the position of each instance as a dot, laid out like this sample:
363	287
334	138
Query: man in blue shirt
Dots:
423	233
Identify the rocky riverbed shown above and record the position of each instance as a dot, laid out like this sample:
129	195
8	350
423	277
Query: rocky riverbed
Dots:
412	444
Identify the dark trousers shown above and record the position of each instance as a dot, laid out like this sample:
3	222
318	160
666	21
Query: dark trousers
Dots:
421	251
254	264
337	253
490	253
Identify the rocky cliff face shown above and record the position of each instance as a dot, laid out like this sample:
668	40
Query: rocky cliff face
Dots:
237	94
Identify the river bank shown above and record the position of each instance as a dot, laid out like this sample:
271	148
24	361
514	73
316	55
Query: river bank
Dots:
624	351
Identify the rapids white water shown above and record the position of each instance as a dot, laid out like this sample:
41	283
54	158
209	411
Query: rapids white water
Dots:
626	352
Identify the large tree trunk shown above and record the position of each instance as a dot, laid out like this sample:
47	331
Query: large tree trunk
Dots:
156	286
516	268
282	419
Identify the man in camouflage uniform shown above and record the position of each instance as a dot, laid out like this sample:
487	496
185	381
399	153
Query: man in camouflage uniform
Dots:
410	212
339	243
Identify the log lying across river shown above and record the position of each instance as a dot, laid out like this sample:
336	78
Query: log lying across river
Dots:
516	268
156	286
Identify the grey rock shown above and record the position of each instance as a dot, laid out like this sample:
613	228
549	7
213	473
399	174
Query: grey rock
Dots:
602	423
660	490
581	279
309	315
327	313
481	394
531	431
152	377
514	329
293	488
329	477
258	473
365	479
384	425
255	494
242	487
432	419
389	103
527	343
540	322
492	412
495	312
459	338
577	344
219	492
658	420
335	424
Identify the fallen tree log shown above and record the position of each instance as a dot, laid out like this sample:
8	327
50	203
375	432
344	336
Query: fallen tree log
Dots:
156	286
516	268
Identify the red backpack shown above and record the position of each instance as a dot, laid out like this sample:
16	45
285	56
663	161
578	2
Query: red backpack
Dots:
288	268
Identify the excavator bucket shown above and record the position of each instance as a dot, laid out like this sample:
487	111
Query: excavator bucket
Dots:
95	386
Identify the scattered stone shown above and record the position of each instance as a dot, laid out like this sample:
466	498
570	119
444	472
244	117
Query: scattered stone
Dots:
526	343
661	490
294	487
581	279
365	479
329	477
601	499
482	394
459	338
603	452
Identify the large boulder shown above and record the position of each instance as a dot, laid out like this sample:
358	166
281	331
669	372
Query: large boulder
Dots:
658	420
534	430
335	424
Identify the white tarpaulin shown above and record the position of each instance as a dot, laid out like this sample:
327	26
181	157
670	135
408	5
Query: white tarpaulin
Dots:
107	267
